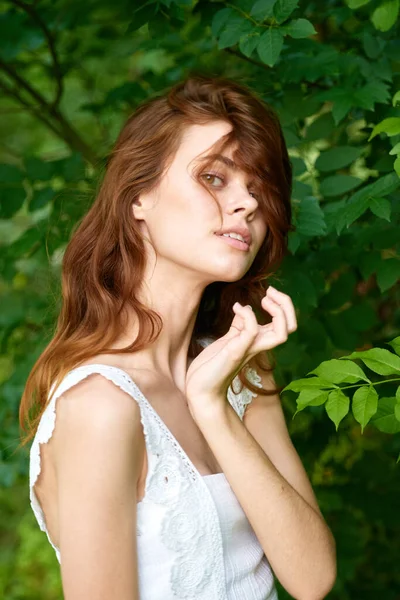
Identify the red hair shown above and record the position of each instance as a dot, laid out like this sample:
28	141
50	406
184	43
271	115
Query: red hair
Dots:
104	262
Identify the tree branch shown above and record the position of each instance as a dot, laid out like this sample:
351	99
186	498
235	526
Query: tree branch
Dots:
65	129
248	59
13	93
29	8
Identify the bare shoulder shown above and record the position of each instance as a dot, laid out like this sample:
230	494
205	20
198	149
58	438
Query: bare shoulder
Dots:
99	454
100	411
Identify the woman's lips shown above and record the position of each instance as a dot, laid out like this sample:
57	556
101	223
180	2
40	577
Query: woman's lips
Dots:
234	243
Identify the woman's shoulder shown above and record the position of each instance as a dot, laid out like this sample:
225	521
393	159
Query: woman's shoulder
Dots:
95	395
97	404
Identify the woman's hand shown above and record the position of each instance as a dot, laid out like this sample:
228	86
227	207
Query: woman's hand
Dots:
212	371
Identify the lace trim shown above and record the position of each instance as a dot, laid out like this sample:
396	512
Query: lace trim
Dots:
239	400
43	434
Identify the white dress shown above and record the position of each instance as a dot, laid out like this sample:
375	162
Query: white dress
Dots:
194	540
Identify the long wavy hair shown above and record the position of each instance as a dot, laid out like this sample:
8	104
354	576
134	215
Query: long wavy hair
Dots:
104	262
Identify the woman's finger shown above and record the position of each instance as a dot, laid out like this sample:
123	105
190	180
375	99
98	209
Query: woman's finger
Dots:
278	319
286	303
250	321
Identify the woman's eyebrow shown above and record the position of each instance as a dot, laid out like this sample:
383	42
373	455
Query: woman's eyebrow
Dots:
228	162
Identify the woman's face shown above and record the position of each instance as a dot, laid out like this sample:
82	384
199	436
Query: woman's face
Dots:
181	219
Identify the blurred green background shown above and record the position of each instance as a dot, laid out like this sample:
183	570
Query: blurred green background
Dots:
70	74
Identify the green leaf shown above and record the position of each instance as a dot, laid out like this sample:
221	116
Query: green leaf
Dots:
25	242
307	383
71	168
396	166
371	92
10	174
353	4
124	94
390	126
381	207
300	28
18	33
310	220
395	345
385	15
337	158
385	419
337	185
11	200
341	107
395	149
220	19
379	360
373	45
384	185
40	198
359	202
270	46
38	170
360	317
364	404
283	9
369	264
340	371
248	42
322	127
310	397
337	406
388	273
396	98
141	16
397	405
232	31
263	9
352	210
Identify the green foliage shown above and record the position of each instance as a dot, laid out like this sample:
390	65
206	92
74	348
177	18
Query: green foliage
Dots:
70	74
323	389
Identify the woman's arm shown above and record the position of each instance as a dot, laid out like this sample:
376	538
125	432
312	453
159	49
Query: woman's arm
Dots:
294	536
265	420
99	455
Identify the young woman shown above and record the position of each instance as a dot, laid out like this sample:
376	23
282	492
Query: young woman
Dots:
161	465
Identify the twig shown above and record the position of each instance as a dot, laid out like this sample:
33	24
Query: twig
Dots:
29	8
13	93
65	131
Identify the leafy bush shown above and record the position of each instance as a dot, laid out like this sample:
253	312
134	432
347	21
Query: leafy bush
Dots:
70	73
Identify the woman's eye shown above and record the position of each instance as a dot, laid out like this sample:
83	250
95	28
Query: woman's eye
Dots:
212	176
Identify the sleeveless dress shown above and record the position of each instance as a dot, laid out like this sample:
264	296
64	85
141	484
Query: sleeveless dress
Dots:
194	540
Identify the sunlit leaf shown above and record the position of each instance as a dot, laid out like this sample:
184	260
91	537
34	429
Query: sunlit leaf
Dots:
364	404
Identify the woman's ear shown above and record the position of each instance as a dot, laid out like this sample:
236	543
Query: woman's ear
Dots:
139	208
141	204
